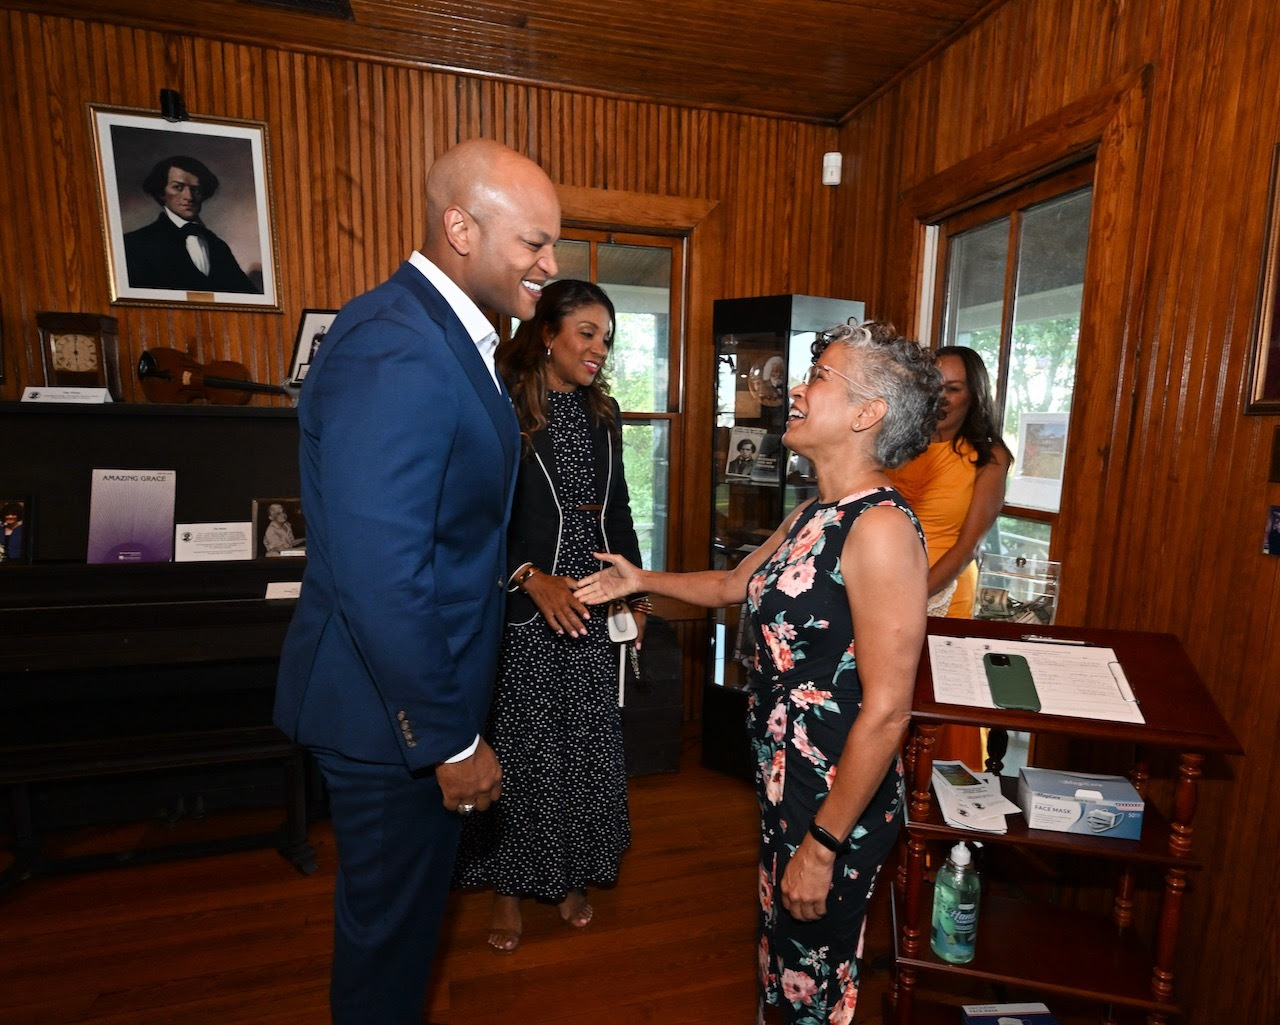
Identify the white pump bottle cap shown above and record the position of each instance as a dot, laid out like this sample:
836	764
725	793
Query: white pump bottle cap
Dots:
960	855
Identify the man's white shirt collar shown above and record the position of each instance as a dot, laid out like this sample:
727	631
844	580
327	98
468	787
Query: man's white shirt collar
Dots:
476	323
197	247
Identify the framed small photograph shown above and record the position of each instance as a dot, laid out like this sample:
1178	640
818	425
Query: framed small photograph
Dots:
311	332
1271	540
185	210
15	534
1264	369
279	528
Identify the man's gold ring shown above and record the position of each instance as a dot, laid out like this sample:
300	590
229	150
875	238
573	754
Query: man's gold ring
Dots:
466	809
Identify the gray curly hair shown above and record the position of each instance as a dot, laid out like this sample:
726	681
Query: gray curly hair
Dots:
900	372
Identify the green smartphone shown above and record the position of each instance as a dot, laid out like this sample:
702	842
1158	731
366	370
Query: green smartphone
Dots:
1009	678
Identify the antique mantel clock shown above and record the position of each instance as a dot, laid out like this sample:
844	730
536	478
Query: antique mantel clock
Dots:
80	350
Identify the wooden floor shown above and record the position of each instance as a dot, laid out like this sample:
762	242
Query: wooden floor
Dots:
235	939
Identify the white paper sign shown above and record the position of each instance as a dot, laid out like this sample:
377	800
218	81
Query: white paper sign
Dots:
212	542
95	396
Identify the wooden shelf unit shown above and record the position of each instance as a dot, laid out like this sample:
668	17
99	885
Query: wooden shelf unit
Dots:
1038	946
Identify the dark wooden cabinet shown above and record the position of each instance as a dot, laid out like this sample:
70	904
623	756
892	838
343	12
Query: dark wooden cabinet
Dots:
1041	946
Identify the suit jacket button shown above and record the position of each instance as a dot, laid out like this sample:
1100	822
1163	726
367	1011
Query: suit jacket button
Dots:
401	716
411	743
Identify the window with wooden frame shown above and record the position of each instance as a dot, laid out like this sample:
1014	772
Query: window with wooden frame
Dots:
643	275
1013	281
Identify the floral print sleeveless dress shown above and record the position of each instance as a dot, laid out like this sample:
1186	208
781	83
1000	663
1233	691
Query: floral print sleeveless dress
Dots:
806	695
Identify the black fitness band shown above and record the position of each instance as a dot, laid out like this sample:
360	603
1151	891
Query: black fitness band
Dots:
826	839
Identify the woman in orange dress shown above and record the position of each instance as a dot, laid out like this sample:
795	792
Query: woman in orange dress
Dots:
956	488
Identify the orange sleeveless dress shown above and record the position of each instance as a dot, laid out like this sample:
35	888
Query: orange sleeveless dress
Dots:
938	485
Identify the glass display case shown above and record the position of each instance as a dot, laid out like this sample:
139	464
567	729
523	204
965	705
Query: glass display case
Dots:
762	349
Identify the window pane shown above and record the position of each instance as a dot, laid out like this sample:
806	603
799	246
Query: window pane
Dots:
646	459
1042	357
574	259
976	262
638	280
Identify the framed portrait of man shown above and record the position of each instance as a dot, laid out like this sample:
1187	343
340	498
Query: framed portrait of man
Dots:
311	331
186	210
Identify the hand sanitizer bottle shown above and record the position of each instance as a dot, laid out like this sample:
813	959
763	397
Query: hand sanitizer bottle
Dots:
955	907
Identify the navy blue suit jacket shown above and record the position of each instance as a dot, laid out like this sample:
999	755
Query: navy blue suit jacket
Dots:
407	457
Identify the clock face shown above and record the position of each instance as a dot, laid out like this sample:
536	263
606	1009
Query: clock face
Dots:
75	352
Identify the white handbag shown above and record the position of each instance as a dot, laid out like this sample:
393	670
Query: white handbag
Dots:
622	624
623	629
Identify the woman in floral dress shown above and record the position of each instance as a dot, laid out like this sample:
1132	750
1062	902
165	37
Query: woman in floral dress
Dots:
837	604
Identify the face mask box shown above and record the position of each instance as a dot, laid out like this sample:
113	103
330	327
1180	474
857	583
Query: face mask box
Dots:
1007	1014
1080	802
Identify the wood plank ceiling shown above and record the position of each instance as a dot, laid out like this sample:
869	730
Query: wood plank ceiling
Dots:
810	60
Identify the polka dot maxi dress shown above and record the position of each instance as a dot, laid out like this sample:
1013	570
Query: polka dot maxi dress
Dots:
562	822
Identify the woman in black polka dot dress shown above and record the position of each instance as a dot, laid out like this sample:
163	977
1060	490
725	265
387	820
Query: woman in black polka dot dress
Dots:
561	824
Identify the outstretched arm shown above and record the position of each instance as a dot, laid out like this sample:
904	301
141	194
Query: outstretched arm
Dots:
711	588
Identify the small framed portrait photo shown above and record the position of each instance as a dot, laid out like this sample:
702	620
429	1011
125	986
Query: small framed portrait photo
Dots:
279	528
311	332
185	210
1271	538
15	529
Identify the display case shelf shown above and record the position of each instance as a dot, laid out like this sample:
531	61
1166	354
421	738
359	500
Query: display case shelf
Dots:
1043	947
1022	943
1151	847
762	349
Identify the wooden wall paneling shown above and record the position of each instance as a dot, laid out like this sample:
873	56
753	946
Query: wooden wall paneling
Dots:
350	142
1168	537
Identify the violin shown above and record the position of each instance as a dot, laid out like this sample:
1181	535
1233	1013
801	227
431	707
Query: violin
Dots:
168	375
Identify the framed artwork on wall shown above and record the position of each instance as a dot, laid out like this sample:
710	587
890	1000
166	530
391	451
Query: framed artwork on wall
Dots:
311	332
185	210
1264	371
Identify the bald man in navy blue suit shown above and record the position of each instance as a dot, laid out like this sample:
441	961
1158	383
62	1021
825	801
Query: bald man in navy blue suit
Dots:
408	455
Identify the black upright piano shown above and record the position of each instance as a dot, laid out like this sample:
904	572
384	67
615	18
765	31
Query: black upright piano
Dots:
131	686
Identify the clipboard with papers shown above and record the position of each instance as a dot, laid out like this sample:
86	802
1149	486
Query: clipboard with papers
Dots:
1072	679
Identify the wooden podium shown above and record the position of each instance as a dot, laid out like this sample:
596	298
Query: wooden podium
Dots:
1041	947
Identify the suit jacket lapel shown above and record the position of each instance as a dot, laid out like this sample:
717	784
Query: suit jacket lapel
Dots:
493	397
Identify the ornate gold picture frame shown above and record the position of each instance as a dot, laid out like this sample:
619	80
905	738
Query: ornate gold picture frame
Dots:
159	182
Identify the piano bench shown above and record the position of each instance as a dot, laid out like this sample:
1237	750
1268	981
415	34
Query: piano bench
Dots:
21	766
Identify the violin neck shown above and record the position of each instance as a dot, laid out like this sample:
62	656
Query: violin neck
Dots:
238	385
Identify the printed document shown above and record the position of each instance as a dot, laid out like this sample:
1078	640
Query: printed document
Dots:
1079	680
